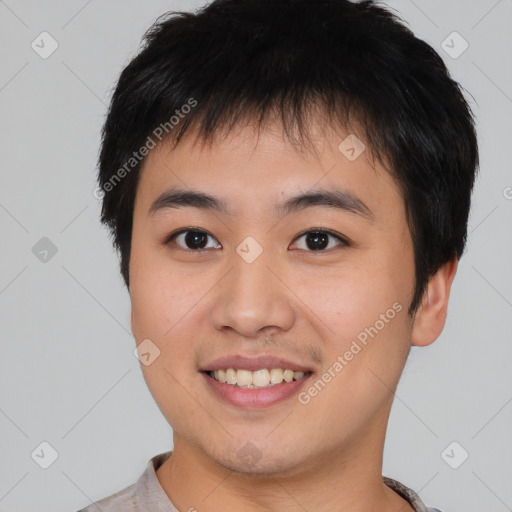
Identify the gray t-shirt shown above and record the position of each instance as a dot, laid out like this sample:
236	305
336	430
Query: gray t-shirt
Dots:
147	495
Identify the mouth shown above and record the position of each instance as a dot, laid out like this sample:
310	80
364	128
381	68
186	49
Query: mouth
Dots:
255	389
263	378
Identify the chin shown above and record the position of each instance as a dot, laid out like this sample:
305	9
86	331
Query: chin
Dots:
247	458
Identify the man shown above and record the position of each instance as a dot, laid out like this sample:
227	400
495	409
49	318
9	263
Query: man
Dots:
288	186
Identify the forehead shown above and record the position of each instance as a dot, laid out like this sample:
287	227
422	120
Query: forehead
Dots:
260	167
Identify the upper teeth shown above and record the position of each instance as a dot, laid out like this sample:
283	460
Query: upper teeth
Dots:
258	379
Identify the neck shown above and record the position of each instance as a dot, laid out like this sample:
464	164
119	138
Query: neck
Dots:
349	479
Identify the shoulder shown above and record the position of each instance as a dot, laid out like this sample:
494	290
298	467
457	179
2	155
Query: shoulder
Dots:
145	494
409	495
124	500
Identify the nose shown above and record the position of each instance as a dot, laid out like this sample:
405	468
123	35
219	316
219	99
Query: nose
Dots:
252	300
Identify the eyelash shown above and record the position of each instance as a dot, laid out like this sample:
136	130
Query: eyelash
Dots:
344	242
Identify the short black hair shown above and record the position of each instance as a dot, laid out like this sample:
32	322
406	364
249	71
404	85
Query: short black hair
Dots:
238	61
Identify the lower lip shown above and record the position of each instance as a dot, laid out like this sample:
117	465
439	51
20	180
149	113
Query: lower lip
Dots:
255	398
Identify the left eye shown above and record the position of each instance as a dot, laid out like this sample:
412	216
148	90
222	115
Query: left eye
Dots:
318	240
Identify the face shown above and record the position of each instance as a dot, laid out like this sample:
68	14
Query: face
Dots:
254	278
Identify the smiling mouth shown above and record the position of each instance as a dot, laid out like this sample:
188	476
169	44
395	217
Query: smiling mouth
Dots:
259	379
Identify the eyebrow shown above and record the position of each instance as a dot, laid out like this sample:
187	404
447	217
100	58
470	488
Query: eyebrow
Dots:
338	199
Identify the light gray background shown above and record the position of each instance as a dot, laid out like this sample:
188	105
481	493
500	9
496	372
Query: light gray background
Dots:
68	374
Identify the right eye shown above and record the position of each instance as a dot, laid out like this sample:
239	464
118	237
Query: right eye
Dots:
191	240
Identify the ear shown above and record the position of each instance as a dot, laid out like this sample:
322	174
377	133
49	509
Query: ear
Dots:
431	315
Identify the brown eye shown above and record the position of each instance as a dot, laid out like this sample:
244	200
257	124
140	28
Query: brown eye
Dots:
192	239
320	240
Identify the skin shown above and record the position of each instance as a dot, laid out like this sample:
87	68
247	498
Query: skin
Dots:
292	302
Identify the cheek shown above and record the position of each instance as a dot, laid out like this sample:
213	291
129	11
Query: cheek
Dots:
164	317
370	331
363	312
353	298
173	392
363	364
161	312
165	306
159	299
